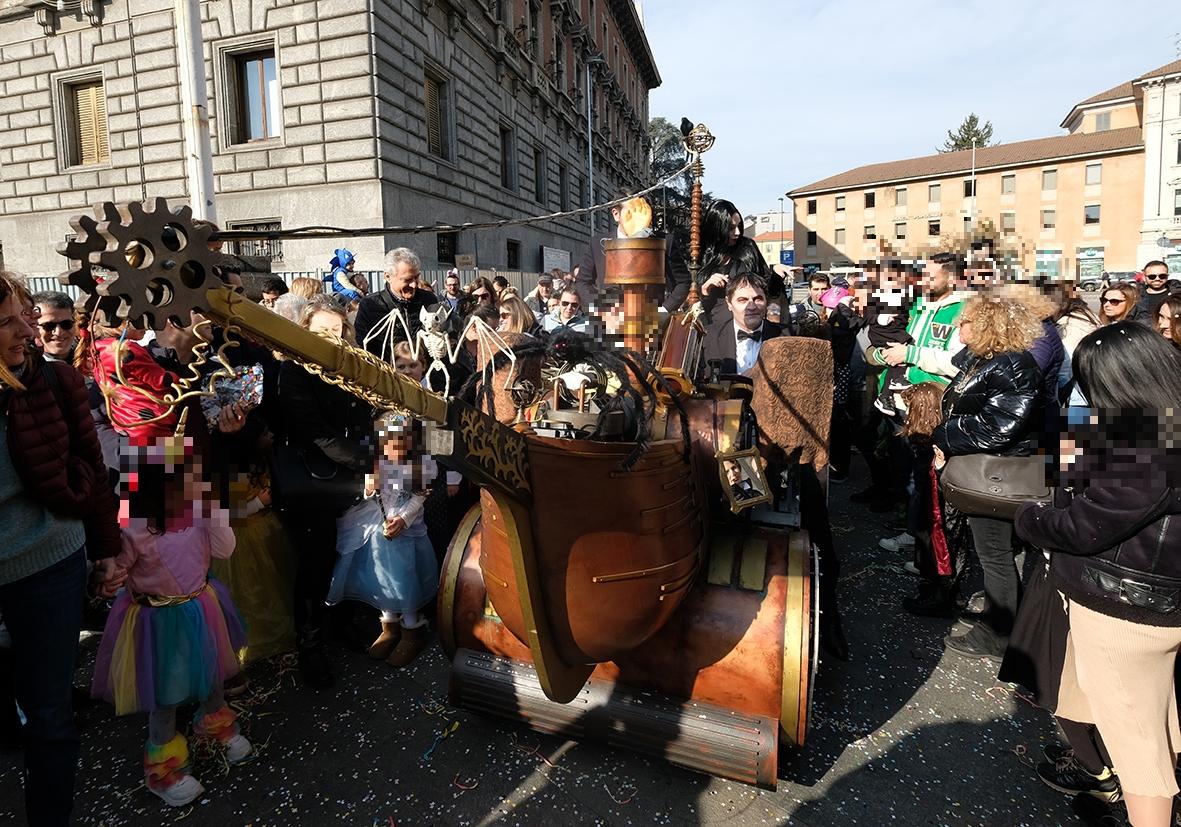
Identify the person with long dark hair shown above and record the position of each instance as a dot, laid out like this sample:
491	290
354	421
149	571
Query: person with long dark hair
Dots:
1111	532
726	251
1168	320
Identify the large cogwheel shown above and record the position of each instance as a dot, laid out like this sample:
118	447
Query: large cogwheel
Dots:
77	250
160	261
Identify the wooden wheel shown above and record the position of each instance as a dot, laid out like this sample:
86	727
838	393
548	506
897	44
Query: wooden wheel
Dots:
800	644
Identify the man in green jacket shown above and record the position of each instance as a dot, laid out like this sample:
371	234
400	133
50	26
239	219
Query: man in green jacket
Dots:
934	333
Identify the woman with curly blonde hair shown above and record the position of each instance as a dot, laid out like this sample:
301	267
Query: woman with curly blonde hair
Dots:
992	407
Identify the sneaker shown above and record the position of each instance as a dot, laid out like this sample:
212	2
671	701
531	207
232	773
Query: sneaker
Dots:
238	749
903	542
1056	752
976	644
186	790
910	568
1068	776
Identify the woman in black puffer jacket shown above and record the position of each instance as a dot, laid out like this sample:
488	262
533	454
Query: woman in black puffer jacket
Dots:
992	407
1114	531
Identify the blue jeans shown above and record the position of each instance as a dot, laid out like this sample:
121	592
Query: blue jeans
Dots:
44	615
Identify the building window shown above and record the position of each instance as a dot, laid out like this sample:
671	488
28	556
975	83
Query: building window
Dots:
512	254
539	175
559	61
900	196
445	246
255	98
870	233
1094	174
840	203
563	187
1176	202
811	238
508	158
1049	263
969	188
934	193
933	228
812	201
1103	122
900	230
1049	219
1091	214
263	248
1008	184
1049	180
838	236
438	116
1179	153
582	199
86	136
870	200
1008	223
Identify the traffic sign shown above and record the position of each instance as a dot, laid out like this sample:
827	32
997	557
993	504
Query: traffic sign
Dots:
787	257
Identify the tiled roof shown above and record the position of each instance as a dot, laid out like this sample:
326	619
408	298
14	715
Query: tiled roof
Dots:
1014	154
1124	90
1168	69
773	236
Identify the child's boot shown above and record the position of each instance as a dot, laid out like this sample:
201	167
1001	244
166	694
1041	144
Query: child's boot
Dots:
222	726
414	640
166	772
391	633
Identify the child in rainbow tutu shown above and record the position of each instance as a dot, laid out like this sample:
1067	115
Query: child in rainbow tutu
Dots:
173	634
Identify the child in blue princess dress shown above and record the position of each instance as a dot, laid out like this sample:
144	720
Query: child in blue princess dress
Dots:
386	559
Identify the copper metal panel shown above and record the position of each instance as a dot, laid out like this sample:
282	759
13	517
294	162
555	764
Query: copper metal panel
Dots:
601	564
724	646
634	261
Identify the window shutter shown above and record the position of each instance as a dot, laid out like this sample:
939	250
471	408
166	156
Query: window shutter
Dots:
434	124
90	113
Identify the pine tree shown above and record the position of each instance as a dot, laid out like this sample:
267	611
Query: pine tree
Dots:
961	138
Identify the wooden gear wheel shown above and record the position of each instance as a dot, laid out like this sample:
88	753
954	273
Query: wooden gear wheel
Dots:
159	262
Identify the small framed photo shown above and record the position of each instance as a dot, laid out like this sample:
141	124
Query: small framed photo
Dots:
743	482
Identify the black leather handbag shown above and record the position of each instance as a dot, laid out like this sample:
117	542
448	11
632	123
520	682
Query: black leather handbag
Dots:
986	485
303	478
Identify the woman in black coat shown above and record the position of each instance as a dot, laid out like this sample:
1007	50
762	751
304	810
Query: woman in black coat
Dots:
332	430
992	407
1114	532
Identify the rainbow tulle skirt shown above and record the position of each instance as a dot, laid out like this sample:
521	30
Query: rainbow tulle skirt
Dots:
153	657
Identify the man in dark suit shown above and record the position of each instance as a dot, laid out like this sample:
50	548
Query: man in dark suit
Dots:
402	292
733	339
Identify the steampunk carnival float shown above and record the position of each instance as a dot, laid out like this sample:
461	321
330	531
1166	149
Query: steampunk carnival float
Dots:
633	571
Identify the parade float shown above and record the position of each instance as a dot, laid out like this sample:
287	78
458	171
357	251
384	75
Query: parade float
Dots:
614	581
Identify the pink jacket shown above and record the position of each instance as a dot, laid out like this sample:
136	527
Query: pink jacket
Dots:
175	563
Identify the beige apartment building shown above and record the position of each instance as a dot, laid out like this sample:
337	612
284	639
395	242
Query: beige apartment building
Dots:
1105	197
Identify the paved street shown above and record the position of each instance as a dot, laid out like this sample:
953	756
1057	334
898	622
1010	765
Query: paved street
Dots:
901	734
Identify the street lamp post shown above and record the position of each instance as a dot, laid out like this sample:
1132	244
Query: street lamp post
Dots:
781	242
590	139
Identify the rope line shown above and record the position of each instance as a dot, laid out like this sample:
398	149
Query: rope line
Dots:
339	232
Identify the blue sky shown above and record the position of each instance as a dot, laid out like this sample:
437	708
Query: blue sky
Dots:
796	90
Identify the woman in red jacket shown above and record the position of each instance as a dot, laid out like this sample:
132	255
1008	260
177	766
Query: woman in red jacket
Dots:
55	506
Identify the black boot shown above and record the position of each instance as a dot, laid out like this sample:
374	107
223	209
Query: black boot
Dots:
933	600
315	667
832	635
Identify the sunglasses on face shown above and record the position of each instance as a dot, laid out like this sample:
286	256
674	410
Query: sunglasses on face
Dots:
483	294
48	327
506	315
1113	301
569	304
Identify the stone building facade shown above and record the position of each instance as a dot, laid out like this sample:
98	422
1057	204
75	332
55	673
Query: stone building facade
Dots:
349	113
